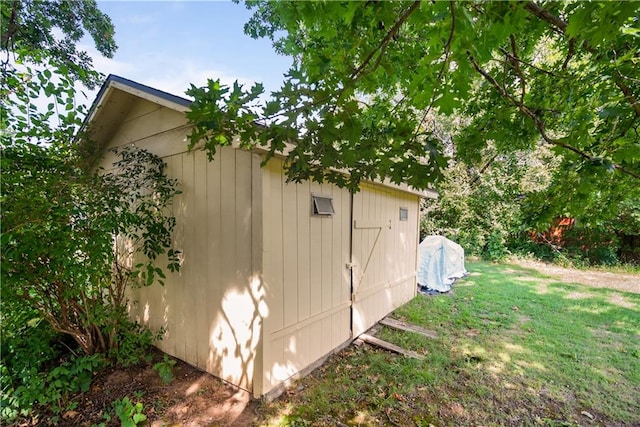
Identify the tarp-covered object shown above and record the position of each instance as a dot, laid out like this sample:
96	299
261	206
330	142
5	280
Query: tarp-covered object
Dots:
440	263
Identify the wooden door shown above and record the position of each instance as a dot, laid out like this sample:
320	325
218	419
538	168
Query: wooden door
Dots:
371	225
383	254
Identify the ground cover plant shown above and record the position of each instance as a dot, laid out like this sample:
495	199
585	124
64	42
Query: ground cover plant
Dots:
515	348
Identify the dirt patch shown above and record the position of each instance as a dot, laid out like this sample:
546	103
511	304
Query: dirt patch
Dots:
624	282
578	295
620	300
193	398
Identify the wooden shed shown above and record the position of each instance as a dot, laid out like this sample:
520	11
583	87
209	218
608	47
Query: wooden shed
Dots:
275	275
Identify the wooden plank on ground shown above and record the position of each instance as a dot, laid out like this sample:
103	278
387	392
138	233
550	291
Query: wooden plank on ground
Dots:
397	324
388	346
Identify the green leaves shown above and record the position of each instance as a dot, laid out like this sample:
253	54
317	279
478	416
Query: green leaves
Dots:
519	71
372	83
130	414
28	29
366	75
70	237
221	114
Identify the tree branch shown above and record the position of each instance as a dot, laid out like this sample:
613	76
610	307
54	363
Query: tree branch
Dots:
447	53
520	60
516	67
382	46
629	96
539	123
542	13
561	26
358	72
570	51
12	27
386	39
484	168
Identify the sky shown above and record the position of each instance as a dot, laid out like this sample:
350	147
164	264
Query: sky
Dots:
170	44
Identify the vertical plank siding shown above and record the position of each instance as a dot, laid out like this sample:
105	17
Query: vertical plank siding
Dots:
265	287
304	263
384	253
210	310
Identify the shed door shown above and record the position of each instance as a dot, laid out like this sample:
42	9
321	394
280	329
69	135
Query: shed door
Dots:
371	227
383	254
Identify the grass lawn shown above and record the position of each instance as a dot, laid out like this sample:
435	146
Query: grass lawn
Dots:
515	348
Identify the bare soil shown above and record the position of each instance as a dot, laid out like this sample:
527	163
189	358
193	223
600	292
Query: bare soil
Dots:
192	399
624	282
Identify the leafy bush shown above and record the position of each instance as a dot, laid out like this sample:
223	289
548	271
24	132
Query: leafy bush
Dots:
59	227
479	207
28	347
592	245
524	245
134	341
37	372
29	389
495	249
64	285
70	236
509	203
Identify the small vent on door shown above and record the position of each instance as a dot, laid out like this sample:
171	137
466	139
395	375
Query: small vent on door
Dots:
322	205
404	214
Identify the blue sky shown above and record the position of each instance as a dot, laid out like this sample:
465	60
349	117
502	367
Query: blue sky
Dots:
170	44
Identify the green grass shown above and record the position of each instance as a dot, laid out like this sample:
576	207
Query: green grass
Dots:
515	348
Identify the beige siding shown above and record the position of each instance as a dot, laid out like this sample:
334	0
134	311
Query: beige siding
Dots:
151	127
384	253
264	290
210	310
304	261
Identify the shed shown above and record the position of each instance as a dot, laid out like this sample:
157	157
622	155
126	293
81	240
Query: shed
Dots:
275	276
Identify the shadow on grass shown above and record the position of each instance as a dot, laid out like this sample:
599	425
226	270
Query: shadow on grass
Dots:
567	342
516	347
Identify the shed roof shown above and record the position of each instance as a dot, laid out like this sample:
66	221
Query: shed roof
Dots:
114	101
117	96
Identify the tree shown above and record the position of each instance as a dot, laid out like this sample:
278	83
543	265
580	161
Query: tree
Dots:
367	74
74	239
480	207
63	224
28	36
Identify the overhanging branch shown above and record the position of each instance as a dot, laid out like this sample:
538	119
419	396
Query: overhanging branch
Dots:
445	63
381	47
560	26
539	123
358	71
558	23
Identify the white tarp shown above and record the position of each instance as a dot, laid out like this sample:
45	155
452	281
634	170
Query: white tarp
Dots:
440	263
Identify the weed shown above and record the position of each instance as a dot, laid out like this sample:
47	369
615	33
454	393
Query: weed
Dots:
49	389
165	369
130	414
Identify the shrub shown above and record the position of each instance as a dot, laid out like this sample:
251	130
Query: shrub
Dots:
165	369
70	238
70	243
